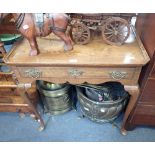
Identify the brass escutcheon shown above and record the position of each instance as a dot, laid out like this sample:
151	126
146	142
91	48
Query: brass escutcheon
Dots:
75	72
118	75
33	73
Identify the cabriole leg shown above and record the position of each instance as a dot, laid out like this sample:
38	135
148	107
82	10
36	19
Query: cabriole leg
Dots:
25	96
134	92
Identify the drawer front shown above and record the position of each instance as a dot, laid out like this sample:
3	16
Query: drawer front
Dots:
77	72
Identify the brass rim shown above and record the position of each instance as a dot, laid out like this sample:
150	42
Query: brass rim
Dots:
53	93
58	111
108	103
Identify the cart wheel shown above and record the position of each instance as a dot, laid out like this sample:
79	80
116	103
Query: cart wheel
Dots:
115	31
80	33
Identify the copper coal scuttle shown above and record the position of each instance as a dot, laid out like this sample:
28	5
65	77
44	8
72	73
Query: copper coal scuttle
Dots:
102	103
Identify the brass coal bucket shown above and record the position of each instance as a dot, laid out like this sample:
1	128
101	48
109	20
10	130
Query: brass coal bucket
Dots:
56	98
101	111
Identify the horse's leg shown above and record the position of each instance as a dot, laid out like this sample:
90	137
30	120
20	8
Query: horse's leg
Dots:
68	43
28	30
34	46
29	35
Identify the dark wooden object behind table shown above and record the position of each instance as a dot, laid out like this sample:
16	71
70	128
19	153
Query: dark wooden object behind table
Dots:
144	111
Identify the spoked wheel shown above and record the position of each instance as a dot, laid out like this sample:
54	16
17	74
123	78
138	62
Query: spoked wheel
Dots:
115	31
80	33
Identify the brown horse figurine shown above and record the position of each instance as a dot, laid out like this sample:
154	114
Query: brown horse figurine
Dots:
32	25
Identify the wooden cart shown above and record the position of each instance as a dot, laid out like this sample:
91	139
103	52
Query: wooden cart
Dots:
115	28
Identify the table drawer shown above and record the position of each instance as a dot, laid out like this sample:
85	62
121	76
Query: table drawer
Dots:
77	72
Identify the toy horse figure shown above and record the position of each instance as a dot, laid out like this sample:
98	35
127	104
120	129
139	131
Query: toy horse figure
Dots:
42	24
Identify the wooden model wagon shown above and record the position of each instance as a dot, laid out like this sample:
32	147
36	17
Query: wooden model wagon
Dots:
115	28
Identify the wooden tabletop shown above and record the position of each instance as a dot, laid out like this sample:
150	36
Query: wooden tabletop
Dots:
95	53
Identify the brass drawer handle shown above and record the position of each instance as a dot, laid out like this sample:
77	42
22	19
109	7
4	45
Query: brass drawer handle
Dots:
75	72
33	73
118	75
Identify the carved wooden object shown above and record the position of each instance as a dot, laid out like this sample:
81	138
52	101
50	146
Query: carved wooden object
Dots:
115	28
33	25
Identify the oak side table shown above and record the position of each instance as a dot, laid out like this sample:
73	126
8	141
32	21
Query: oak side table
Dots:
94	63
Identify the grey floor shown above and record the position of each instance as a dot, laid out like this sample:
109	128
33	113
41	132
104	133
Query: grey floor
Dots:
67	127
